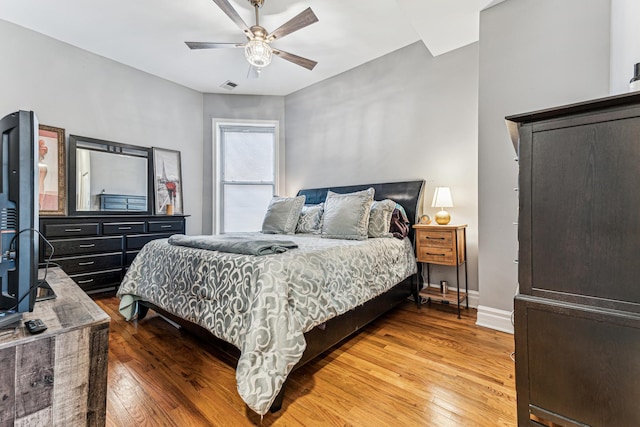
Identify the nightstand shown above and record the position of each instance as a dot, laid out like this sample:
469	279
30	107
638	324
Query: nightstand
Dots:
442	245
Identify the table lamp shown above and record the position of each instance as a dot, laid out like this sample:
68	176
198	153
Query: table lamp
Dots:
442	199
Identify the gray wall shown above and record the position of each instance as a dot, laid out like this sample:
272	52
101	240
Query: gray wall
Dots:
533	54
625	43
234	107
92	96
404	116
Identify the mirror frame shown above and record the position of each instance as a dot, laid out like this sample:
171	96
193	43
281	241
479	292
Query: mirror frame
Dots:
103	146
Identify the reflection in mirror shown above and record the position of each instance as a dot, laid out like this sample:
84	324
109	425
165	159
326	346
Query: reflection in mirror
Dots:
108	177
106	183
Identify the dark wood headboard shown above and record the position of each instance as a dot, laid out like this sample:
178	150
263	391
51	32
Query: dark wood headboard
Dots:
407	193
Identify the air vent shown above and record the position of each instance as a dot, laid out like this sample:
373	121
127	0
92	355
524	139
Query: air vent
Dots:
229	85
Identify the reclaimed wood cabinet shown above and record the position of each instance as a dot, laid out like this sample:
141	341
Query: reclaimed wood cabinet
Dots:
577	316
57	377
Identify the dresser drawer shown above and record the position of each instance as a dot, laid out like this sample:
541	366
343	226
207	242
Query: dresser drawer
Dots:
69	230
434	238
137	242
122	227
445	256
90	245
87	263
129	257
165	226
98	280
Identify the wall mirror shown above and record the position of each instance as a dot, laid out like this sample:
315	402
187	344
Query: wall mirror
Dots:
109	178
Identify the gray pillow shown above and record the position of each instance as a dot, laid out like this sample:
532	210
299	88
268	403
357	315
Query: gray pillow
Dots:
282	215
310	220
380	218
346	216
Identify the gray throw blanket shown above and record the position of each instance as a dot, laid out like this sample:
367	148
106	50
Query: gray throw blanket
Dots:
233	244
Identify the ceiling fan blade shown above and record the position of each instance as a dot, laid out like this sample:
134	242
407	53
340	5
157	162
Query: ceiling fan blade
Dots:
231	13
298	60
207	45
303	19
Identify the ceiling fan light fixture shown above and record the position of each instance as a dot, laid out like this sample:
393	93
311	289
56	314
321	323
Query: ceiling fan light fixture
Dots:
258	53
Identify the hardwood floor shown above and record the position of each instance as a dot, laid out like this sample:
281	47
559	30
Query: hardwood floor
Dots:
411	368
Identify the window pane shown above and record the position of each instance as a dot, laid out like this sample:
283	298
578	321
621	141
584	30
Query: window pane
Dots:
248	156
245	207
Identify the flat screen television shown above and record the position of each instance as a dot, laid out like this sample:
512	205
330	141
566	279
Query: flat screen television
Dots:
19	236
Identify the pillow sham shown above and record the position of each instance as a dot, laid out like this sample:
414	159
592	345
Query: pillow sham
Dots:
310	220
282	215
380	218
346	216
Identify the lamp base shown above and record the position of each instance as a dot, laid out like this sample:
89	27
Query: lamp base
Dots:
443	217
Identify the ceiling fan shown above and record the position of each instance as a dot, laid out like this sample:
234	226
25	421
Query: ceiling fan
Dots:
258	49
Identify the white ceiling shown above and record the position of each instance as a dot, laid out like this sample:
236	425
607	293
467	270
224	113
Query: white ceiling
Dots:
149	35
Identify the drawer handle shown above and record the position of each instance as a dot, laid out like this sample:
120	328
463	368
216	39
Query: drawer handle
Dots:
90	245
72	230
435	254
87	263
434	238
165	226
82	282
124	228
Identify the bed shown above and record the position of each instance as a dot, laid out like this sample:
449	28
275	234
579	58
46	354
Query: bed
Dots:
281	310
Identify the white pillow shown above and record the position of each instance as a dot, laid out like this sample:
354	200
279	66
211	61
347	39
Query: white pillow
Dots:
310	220
282	215
346	216
380	218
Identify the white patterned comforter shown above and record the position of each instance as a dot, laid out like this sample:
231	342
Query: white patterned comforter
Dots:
264	304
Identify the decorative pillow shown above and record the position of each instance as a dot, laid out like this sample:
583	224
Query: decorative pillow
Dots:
380	218
401	209
346	216
282	215
310	220
399	223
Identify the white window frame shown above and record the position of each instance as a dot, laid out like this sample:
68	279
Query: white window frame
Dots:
217	125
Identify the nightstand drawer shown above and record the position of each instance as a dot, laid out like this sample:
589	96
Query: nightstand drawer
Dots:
435	238
437	255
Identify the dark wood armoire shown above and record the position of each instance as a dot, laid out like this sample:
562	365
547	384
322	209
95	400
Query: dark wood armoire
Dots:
577	314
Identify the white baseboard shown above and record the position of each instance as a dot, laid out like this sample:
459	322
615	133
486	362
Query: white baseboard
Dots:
494	318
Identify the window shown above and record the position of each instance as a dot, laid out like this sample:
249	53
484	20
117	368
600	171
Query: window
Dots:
247	174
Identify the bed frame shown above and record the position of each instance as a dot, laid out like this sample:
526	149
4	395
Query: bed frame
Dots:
327	335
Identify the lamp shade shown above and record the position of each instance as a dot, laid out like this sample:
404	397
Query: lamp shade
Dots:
442	198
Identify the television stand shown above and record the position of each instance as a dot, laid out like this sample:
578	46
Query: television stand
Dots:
57	377
44	291
9	319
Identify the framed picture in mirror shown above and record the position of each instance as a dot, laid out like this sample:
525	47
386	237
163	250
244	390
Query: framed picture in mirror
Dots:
167	175
52	198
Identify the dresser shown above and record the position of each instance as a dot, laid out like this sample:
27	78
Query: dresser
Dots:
122	202
577	314
57	377
95	251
